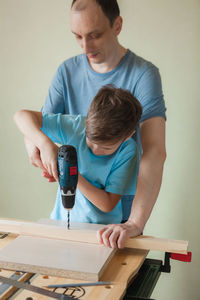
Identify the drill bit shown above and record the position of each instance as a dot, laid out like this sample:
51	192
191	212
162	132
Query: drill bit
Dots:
68	219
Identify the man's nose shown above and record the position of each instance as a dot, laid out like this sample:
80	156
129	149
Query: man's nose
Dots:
85	45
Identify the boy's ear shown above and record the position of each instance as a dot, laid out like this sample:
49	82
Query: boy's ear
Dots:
130	136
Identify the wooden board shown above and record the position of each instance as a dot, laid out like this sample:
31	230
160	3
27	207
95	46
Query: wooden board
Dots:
121	269
7	291
88	235
56	257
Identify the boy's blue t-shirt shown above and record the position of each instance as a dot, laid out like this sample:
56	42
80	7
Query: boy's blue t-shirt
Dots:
115	173
75	84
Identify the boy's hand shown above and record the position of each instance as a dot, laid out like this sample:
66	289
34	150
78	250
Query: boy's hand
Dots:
35	159
33	154
115	235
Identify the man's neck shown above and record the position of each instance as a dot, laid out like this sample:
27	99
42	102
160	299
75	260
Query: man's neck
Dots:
113	62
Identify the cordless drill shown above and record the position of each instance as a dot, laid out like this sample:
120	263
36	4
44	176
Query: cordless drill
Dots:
68	176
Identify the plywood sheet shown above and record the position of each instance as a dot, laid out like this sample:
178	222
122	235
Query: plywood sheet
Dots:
122	267
56	257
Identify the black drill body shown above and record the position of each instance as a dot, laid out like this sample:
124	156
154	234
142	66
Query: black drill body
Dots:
68	175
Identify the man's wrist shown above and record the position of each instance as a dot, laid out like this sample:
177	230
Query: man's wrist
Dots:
136	227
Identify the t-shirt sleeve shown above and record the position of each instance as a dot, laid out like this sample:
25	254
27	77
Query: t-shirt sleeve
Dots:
55	99
148	91
122	179
61	128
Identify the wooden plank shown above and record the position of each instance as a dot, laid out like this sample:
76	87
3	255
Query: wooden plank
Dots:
153	243
4	241
56	257
88	235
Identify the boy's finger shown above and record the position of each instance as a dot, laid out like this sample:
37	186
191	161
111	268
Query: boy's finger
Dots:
48	168
46	175
35	160
38	163
51	179
55	171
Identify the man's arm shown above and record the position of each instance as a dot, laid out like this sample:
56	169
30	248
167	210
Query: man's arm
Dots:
29	123
149	182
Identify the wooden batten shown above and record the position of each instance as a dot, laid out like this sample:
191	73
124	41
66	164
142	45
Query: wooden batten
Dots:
89	236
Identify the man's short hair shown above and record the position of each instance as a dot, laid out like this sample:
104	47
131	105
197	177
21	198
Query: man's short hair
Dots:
113	115
110	8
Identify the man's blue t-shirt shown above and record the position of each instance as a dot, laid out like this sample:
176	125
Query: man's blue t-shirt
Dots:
75	84
115	173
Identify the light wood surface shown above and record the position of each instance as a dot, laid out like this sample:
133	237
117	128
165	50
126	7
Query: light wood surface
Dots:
56	257
7	273
121	269
86	234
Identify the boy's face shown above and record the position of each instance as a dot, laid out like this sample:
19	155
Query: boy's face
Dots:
102	148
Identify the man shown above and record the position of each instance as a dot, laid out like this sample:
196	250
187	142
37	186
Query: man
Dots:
96	25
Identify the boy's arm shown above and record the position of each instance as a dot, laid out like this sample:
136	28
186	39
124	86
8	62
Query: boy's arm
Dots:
105	201
119	181
29	123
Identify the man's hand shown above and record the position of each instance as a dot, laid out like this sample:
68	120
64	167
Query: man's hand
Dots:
115	235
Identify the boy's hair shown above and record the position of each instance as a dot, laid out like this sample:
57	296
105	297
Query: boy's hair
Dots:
113	115
110	8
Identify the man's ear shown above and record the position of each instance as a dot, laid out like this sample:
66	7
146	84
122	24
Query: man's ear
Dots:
118	25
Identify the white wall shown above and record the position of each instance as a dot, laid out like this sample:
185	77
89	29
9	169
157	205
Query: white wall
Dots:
35	38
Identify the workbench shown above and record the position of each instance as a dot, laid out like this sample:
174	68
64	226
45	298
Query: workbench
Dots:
127	284
127	275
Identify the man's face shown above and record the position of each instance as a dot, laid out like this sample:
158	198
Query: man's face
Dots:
94	33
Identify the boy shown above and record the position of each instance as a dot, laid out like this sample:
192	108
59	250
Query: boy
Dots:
107	155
